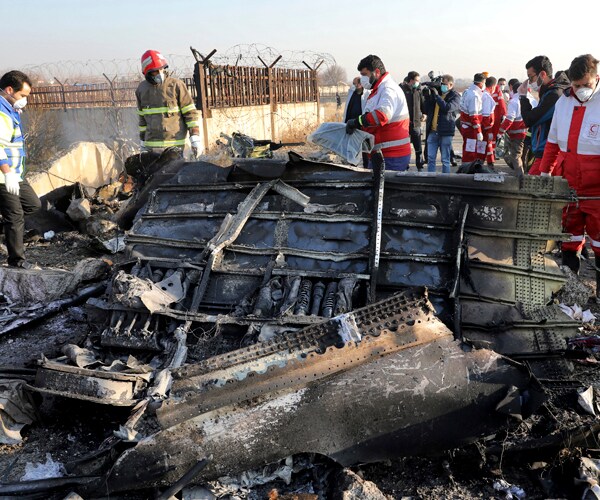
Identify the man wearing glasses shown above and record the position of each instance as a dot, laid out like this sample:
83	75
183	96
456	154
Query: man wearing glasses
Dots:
538	119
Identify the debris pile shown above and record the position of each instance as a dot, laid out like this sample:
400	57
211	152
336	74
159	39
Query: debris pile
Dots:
267	311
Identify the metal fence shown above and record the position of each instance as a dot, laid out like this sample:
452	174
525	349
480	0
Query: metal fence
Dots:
224	87
94	95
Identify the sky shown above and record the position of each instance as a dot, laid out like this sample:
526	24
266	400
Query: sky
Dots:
458	37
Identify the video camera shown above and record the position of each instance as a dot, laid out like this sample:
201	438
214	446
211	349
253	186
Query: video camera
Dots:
434	82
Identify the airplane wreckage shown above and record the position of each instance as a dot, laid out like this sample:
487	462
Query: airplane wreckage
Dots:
375	311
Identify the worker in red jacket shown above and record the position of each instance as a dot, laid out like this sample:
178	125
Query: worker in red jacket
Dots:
488	115
386	114
499	112
573	151
514	126
470	120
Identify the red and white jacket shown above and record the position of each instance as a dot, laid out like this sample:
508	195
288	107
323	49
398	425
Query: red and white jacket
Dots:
386	117
573	146
470	109
513	122
487	112
500	110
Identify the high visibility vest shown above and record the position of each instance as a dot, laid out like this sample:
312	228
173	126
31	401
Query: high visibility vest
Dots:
11	139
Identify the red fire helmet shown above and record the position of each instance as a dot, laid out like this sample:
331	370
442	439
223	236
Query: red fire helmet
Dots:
152	60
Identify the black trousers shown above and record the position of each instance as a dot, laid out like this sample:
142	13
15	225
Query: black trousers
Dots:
415	138
14	209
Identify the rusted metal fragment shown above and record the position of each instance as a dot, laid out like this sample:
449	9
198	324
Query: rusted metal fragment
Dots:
318	351
534	336
26	317
504	235
403	404
398	392
112	388
419	219
292	193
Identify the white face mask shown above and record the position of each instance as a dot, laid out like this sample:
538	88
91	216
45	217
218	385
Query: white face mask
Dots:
584	93
364	81
20	103
160	78
534	86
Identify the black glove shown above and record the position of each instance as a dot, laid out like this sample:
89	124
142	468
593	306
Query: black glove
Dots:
434	91
352	125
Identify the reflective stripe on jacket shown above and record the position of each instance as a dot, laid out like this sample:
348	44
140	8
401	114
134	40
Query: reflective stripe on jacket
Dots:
573	146
166	112
11	139
487	111
387	118
470	108
499	111
513	123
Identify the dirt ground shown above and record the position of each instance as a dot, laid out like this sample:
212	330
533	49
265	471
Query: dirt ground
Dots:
68	431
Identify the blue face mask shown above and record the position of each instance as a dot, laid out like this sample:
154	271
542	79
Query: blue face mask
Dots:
444	88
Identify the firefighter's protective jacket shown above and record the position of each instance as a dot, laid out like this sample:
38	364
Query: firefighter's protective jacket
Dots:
166	112
11	139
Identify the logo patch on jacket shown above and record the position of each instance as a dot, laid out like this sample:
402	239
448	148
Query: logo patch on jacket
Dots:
593	130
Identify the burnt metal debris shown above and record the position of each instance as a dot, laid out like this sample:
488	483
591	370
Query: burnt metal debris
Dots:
376	309
396	391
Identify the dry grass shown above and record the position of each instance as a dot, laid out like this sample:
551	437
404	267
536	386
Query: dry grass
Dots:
332	113
43	134
294	133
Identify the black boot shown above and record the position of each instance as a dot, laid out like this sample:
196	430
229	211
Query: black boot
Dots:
571	260
419	162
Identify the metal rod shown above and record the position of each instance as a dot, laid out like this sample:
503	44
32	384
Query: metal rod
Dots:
187	478
375	246
455	293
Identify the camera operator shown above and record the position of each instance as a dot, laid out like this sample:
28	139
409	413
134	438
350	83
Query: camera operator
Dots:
415	102
441	106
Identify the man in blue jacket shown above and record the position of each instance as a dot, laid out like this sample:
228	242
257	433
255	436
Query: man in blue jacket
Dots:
17	197
539	118
441	108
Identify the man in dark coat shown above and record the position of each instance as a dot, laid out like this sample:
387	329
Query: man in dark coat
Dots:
441	108
415	101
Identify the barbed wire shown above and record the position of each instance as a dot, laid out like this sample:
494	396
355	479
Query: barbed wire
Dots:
248	55
97	71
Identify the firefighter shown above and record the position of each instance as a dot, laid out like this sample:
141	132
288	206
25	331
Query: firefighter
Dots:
165	108
470	121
